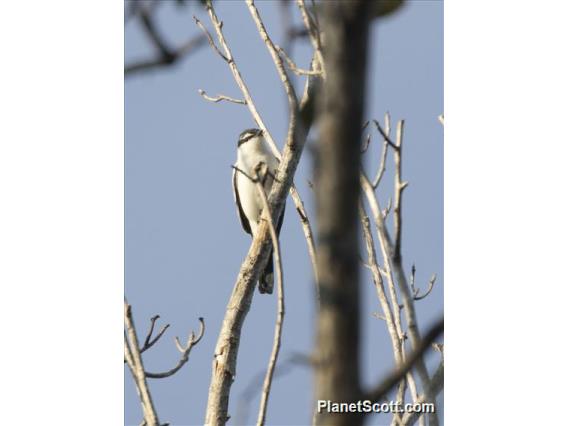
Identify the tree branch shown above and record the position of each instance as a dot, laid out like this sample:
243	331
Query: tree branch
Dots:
220	98
314	34
382	165
185	351
292	65
436	385
281	308
136	367
226	351
379	392
166	55
306	112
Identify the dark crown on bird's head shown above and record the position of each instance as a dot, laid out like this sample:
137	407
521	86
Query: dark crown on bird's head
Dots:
248	134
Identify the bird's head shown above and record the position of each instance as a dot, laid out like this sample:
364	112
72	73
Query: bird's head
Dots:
249	134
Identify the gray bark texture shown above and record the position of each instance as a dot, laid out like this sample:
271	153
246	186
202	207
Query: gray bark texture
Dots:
337	170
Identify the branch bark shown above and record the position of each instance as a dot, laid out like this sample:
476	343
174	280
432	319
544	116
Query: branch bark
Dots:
226	351
136	367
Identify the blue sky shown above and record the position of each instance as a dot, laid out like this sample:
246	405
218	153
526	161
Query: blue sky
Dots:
183	241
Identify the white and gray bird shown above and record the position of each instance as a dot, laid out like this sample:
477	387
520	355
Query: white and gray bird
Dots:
251	151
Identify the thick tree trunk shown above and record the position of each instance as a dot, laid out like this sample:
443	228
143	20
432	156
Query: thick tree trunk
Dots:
337	169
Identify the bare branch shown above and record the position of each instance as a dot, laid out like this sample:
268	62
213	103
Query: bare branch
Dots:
290	92
395	267
219	98
149	342
161	61
306	113
380	391
391	316
385	135
226	351
382	165
147	17
166	55
228	57
136	367
416	292
210	39
295	110
314	34
292	65
192	340
436	385
398	188
378	281
281	308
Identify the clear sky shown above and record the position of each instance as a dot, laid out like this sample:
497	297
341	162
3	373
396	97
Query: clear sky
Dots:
183	241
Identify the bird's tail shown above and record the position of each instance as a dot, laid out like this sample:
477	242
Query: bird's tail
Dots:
266	281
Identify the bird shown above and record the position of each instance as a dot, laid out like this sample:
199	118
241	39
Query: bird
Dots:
252	151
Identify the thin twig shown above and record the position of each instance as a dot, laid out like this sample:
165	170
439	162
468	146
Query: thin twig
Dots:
395	267
290	92
306	112
192	340
219	98
416	291
228	57
292	65
149	342
385	135
392	321
382	165
314	35
210	39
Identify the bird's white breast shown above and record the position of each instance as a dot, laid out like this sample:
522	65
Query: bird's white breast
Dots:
250	154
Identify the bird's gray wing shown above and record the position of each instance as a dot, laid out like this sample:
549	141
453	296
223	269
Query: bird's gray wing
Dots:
240	213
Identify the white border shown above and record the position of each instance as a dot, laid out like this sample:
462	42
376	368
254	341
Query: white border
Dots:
505	212
61	214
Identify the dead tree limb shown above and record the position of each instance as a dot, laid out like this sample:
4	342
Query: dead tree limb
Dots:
226	351
192	340
307	107
136	367
381	391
